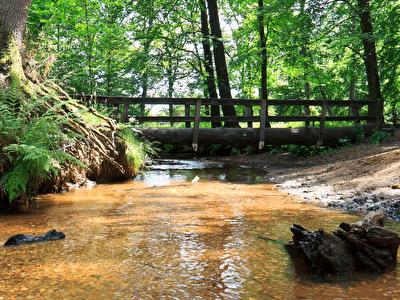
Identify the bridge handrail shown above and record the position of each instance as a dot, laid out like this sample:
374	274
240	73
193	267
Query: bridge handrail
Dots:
262	118
213	101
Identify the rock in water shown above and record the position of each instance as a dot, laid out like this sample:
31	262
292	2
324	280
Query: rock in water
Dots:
362	246
22	239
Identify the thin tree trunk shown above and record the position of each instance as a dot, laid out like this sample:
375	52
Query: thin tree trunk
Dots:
370	58
208	63
171	80
145	78
353	110
305	54
220	62
264	58
89	53
326	99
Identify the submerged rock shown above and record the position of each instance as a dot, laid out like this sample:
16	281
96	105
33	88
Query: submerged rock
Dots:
22	239
362	246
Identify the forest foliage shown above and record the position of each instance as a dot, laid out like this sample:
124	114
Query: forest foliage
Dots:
154	48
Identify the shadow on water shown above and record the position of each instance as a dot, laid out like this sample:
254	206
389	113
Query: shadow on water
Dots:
163	172
162	236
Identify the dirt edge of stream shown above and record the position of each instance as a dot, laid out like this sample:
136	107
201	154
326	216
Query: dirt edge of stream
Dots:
362	177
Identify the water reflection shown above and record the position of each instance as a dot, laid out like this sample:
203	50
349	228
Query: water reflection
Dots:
163	172
177	240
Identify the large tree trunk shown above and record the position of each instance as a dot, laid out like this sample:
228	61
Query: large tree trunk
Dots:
208	63
13	16
370	58
220	62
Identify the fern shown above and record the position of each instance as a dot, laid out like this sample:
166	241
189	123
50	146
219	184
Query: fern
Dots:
16	182
31	138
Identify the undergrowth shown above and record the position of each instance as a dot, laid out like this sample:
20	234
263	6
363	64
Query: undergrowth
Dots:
379	136
31	138
138	150
36	141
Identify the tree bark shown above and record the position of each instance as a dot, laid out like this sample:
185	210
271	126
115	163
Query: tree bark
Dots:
370	58
13	16
208	63
220	62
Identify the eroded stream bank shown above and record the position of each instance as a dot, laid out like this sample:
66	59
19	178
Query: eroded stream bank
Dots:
163	237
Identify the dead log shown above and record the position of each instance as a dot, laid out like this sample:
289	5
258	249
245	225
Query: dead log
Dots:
362	246
251	136
22	239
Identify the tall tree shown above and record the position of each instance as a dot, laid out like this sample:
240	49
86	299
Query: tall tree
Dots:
370	58
220	62
208	63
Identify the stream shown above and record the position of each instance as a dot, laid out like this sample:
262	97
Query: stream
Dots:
182	230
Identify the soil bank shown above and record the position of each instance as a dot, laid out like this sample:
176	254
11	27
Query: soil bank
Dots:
361	177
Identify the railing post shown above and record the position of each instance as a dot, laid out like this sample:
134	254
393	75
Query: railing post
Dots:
249	112
171	111
263	120
195	143
187	114
379	114
125	112
322	124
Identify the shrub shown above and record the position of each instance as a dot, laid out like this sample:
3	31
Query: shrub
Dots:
378	136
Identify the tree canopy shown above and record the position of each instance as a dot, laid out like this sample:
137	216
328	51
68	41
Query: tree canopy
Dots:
311	49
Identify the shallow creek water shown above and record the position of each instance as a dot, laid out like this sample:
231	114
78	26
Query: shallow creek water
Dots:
162	236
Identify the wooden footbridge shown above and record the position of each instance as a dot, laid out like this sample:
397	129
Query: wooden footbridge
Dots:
193	134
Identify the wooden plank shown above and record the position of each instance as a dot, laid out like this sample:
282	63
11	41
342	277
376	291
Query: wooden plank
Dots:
351	118
195	142
253	119
207	101
164	119
322	125
125	112
263	119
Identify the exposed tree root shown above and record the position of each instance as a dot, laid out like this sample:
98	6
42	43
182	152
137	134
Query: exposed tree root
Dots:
97	147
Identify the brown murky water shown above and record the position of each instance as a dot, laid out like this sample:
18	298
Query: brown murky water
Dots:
163	237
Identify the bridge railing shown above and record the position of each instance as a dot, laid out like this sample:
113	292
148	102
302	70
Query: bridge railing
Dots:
262	118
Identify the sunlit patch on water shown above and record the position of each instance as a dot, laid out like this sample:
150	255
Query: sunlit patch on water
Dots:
176	240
